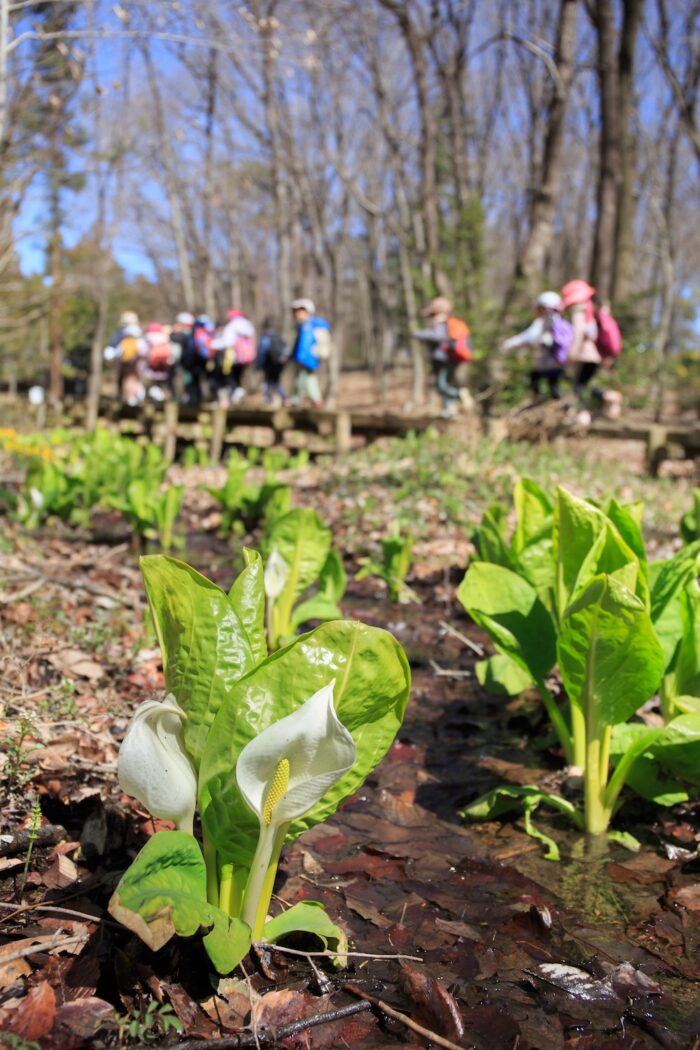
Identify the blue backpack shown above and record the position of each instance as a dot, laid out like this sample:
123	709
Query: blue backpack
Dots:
562	338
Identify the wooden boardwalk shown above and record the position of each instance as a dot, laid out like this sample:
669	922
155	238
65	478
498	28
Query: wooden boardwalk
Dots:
324	431
215	428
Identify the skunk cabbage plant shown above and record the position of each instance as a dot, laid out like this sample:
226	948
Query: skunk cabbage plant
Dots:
269	745
572	590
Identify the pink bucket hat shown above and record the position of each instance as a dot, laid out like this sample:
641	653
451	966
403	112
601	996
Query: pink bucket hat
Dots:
576	292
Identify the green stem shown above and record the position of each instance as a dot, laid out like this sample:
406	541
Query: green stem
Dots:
596	813
605	757
226	887
622	770
209	851
578	730
258	892
558	721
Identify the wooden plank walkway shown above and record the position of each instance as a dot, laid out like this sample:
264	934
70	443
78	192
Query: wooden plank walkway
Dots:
214	428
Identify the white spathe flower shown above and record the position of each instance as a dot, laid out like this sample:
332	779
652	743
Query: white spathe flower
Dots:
282	773
276	573
314	749
153	765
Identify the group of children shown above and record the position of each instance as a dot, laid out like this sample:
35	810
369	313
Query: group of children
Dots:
195	360
589	341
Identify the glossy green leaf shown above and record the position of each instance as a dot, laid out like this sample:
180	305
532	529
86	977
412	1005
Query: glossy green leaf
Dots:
164	893
490	537
502	676
588	544
534	510
508	607
205	646
627	519
307	917
247	597
318	607
304	542
609	658
646	777
669	579
372	682
333	579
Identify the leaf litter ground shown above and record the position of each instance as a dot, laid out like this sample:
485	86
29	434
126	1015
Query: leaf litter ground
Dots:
492	946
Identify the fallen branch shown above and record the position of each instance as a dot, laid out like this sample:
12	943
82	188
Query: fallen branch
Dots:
396	1015
477	649
263	1036
328	954
46	835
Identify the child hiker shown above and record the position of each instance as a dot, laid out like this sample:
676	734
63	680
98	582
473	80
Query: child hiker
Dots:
550	336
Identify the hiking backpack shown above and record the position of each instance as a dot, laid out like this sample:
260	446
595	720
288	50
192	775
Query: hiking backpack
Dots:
562	338
609	340
203	337
160	354
128	348
323	347
458	339
244	349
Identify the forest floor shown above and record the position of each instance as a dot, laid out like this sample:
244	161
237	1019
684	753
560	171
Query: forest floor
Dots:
466	931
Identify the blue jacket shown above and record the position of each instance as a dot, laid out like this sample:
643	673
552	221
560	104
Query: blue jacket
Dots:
304	352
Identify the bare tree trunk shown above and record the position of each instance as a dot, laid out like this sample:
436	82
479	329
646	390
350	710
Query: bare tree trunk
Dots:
56	275
207	260
625	262
609	173
281	206
171	187
664	330
531	264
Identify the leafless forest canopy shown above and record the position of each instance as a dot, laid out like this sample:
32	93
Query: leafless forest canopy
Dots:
368	154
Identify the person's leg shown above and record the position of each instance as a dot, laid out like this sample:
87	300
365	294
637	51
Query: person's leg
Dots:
446	388
553	377
535	377
586	371
313	389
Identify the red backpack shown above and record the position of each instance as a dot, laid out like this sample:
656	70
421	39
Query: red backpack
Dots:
609	339
458	336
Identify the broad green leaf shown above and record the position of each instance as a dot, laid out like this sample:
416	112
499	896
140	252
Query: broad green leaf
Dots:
627	519
307	917
247	598
687	705
690	522
532	545
318	607
490	537
534	510
588	544
683	678
507	606
669	579
333	578
372	682
609	657
501	675
677	748
205	646
164	892
304	542
646	777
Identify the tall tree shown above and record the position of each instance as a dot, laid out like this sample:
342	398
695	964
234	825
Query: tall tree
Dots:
610	150
545	201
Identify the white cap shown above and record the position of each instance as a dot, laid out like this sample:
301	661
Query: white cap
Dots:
304	304
184	319
549	300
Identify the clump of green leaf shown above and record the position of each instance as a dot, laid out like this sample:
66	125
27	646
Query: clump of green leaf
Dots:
265	745
397	553
245	504
151	513
572	589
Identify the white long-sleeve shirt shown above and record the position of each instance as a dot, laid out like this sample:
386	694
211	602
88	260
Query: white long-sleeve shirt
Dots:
538	335
229	334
